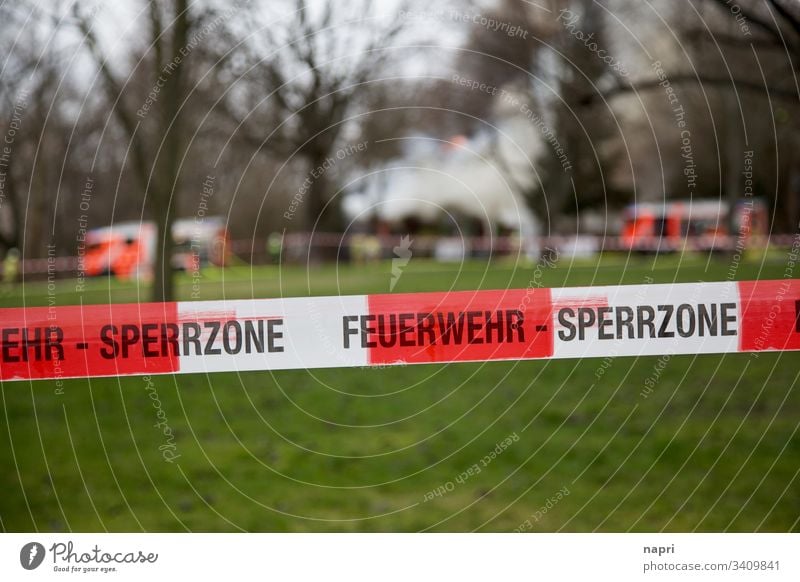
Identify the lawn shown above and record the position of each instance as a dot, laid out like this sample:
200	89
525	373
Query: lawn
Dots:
574	445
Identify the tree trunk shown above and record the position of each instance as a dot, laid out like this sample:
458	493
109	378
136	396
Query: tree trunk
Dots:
163	280
165	195
316	217
734	149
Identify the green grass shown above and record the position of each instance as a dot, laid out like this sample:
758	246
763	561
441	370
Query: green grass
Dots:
714	447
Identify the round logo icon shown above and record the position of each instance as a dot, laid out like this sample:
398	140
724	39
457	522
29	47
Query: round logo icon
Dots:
31	555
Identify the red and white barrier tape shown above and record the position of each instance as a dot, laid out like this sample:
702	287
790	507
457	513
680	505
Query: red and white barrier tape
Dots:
415	328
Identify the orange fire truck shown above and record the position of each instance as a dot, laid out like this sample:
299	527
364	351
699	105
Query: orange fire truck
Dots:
127	250
703	223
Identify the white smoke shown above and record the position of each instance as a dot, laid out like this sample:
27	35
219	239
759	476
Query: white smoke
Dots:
482	178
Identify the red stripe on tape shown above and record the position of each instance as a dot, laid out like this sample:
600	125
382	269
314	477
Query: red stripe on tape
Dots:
94	340
460	326
770	315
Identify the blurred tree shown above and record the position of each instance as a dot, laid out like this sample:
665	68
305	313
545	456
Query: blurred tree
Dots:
547	55
26	77
736	71
155	156
587	132
757	45
34	154
306	79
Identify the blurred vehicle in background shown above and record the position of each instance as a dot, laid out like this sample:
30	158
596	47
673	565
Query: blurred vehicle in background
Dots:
199	244
707	223
127	250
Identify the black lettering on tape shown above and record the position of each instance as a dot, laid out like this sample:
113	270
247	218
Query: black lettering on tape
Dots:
684	313
667	310
110	348
209	349
232	328
797	316
650	313
347	330
568	333
625	320
191	337
388	330
604	322
272	335
586	318
707	319
728	318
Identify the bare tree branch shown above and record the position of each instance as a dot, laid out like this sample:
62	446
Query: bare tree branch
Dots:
157	33
686	79
762	23
736	40
788	17
115	95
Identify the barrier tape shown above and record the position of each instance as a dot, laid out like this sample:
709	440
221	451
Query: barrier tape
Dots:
416	328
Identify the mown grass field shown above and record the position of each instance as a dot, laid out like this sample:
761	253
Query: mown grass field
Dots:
714	447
